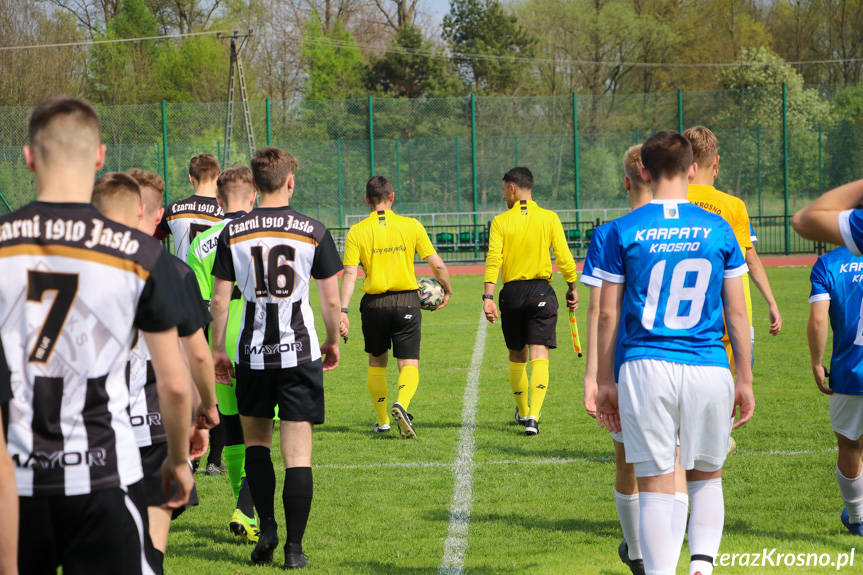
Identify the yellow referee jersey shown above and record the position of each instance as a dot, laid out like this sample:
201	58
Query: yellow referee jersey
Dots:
518	245
384	243
733	211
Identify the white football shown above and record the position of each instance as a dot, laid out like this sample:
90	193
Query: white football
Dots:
431	293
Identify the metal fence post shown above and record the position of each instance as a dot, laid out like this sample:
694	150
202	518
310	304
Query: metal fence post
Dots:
758	165
785	165
577	181
371	140
339	170
820	164
473	154
8	207
680	110
458	180
165	151
269	125
398	175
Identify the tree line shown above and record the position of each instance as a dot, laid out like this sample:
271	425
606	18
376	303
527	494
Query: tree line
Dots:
339	49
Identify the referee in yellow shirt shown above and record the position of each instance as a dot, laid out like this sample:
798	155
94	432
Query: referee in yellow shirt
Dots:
385	243
705	151
519	243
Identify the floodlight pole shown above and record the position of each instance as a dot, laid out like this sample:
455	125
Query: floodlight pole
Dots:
238	42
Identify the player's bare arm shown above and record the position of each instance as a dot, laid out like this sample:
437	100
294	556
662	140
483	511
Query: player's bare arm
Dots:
488	306
349	282
759	278
441	274
176	404
737	323
9	517
200	361
816	335
819	221
330	312
608	323
592	363
222	366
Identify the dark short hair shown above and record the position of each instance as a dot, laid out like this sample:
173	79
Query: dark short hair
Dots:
204	167
271	167
666	155
114	188
379	189
84	124
521	177
234	182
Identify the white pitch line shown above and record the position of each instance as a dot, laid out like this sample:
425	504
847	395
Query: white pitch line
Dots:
462	497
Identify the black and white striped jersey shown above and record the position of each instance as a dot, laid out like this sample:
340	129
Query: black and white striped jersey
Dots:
75	286
186	219
272	254
5	379
144	411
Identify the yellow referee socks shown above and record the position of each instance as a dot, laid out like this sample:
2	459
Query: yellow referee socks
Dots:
538	384
409	380
518	384
377	382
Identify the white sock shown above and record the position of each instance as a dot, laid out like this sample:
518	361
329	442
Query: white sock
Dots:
628	512
678	519
852	495
705	523
657	542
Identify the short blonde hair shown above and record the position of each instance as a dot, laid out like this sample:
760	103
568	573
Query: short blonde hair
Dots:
632	166
154	199
116	192
705	146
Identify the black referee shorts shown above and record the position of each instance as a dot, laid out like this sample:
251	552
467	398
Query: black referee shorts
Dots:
152	458
102	532
528	314
298	391
392	318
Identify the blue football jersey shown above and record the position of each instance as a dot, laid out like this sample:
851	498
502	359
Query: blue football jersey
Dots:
594	252
673	257
589	277
837	276
851	226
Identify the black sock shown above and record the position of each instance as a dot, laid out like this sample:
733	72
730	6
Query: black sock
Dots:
217	443
262	482
244	501
297	499
233	430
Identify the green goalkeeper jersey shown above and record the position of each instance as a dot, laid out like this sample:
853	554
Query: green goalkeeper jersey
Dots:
202	255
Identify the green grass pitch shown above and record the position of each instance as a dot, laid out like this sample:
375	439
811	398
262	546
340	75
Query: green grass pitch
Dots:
540	505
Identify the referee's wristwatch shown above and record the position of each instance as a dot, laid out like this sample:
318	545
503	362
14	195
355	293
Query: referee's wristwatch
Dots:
344	310
487	296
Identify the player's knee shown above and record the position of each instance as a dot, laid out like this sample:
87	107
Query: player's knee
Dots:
849	447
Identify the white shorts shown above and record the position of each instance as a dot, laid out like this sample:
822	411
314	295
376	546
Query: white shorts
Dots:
846	415
660	401
617	436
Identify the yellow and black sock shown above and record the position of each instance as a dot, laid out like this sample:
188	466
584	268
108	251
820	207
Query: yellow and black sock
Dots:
409	380
518	383
377	382
538	385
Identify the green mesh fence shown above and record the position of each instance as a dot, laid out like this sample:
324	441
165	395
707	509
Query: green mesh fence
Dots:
448	155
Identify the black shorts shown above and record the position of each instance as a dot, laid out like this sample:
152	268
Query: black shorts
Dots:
298	391
392	318
528	314
98	533
152	458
